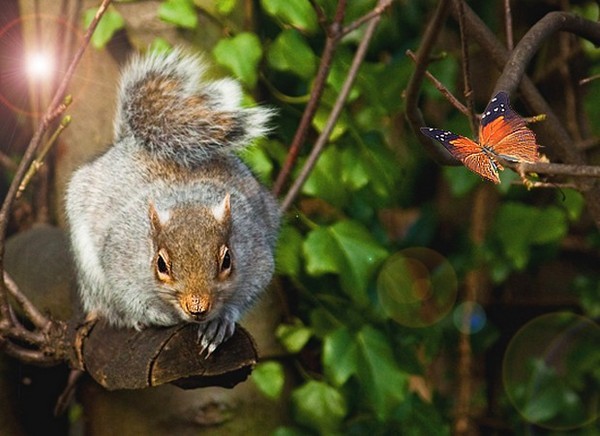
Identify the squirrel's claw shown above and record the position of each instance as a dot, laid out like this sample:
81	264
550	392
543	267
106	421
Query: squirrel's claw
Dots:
213	334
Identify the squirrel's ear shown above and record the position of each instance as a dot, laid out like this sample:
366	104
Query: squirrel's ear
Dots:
158	217
222	211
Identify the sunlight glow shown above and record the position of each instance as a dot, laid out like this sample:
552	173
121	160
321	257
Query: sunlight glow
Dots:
39	65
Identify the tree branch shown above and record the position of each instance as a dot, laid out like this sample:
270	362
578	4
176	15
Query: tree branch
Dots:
55	109
331	44
551	132
533	39
335	112
413	113
443	90
466	67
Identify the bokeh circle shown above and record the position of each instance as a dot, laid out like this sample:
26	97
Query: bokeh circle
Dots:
417	287
550	371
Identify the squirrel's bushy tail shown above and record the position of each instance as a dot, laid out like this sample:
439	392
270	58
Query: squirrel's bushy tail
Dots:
164	106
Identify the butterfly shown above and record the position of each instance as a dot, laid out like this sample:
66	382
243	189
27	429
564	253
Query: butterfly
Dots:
502	134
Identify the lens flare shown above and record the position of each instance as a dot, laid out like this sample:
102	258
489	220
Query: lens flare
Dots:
469	318
39	65
417	287
550	371
35	50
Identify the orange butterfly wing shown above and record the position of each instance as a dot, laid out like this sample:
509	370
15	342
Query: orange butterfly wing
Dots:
503	132
471	154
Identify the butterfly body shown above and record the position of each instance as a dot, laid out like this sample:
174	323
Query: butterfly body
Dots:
503	134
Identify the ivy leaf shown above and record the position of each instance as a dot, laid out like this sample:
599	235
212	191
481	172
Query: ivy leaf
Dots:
319	406
354	173
269	377
519	226
259	161
111	22
182	13
159	45
461	180
297	13
321	253
293	336
362	255
324	180
289	249
339	356
321	118
225	7
290	52
241	55
348	249
384	383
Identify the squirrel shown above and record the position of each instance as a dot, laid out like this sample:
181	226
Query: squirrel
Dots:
168	225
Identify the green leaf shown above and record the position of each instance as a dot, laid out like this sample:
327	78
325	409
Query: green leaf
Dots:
159	45
289	431
383	382
519	226
289	250
290	52
545	404
259	161
241	55
348	249
324	180
321	253
319	406
269	377
362	255
182	13
320	121
461	180
354	173
573	203
225	7
340	355
298	13
293	336
111	22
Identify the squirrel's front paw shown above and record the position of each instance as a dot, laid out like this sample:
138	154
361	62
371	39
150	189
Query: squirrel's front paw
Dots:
214	333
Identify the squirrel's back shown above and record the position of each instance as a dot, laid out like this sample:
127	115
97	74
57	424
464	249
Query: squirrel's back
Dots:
164	107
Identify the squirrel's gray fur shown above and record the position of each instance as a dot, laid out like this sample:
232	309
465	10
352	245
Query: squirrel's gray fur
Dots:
168	225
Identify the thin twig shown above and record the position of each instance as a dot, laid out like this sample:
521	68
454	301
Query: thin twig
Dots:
440	87
335	112
331	43
367	17
508	25
321	17
464	48
38	319
413	113
555	169
589	79
54	110
39	160
25	355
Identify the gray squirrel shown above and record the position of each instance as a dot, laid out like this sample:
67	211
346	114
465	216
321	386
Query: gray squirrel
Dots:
168	225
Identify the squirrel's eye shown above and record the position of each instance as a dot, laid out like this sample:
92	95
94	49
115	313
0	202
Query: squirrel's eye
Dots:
226	262
161	265
163	268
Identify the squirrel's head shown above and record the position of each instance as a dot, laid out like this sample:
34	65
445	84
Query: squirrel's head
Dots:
193	262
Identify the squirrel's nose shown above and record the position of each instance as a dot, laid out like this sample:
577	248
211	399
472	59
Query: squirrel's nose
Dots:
197	306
